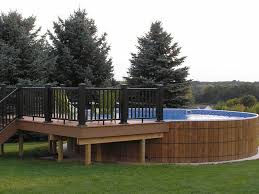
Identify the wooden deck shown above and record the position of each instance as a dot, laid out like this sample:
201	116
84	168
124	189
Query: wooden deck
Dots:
91	133
91	130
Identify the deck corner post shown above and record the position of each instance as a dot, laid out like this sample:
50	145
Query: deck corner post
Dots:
60	150
88	156
19	101
142	151
47	103
81	104
159	102
124	104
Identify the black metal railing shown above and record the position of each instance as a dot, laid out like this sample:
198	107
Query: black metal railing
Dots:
84	104
32	99
102	104
8	109
64	103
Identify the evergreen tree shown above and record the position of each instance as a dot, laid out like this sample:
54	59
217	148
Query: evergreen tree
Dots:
24	55
157	61
82	56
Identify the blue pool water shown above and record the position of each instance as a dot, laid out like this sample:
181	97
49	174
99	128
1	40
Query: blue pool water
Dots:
202	114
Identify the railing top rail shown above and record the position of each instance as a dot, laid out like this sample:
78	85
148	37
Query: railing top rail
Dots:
35	87
8	95
61	87
142	88
88	88
108	88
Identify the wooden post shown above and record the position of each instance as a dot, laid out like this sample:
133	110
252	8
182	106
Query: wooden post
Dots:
1	149
142	150
60	150
99	152
20	145
87	154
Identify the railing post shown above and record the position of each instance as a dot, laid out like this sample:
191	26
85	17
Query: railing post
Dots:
19	101
124	103
47	103
81	104
160	102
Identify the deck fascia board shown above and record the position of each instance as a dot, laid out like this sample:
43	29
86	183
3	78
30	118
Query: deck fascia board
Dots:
76	131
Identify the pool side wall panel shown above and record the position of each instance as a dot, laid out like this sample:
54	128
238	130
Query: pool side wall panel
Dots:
204	141
190	142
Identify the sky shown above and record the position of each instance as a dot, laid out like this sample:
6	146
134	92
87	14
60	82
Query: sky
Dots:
219	37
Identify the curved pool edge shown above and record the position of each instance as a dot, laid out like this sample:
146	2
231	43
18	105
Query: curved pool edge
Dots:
175	111
205	141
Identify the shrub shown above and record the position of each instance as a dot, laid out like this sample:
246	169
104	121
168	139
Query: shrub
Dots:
220	106
248	100
237	107
233	102
254	109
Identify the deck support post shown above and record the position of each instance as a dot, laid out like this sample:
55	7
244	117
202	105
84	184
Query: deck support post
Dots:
1	149
98	152
60	149
20	142
87	154
142	150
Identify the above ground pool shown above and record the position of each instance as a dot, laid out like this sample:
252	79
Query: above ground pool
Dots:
194	136
204	115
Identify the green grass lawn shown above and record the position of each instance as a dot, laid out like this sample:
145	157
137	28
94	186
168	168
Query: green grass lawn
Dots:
32	175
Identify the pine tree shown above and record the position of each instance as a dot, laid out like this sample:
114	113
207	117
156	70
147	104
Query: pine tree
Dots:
82	56
157	61
24	55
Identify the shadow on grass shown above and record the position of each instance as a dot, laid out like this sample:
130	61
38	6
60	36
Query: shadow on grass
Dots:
31	150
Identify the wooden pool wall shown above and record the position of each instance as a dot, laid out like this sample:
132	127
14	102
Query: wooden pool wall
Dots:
190	142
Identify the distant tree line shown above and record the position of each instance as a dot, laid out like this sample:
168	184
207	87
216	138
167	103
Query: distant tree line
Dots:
247	103
74	53
214	92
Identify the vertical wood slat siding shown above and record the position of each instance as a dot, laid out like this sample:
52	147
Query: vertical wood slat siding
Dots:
201	141
191	141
